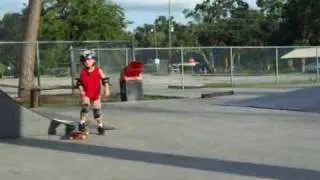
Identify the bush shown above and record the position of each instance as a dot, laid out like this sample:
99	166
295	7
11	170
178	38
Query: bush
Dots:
2	70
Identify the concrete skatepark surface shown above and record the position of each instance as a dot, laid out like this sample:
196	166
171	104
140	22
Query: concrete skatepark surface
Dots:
175	139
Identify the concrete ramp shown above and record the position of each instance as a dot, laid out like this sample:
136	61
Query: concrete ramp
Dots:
305	100
17	121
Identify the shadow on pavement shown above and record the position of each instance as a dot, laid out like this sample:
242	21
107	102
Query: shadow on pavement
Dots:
198	163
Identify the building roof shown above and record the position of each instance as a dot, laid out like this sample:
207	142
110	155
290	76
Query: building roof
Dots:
302	53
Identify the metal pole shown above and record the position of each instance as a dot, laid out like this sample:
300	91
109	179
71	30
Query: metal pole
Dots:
99	56
38	65
127	56
72	66
231	67
182	68
156	40
277	66
169	30
317	55
132	48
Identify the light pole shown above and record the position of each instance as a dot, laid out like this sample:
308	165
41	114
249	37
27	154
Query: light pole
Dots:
154	30
169	34
133	54
169	26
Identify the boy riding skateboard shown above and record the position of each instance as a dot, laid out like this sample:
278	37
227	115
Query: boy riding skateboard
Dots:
89	84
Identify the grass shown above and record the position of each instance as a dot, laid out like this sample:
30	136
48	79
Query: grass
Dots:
75	100
259	84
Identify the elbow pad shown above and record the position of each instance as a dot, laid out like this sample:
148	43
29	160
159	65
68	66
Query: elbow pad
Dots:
79	83
105	81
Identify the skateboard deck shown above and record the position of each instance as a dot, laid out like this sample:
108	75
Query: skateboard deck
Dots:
71	125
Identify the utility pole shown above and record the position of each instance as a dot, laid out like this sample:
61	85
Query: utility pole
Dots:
169	19
154	31
169	33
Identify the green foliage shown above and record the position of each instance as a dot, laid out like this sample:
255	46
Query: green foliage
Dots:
11	29
2	70
76	20
81	20
229	22
156	34
301	22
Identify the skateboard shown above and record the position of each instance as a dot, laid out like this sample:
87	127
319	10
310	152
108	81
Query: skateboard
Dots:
70	129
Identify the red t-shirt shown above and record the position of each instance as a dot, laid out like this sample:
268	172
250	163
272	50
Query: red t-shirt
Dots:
91	83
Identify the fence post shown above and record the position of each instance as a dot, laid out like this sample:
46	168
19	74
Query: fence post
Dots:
99	56
72	69
231	67
38	64
127	56
182	67
133	49
277	66
317	55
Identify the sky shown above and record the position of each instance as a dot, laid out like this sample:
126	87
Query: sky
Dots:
137	11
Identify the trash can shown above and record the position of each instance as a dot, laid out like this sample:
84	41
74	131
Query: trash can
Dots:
35	97
131	86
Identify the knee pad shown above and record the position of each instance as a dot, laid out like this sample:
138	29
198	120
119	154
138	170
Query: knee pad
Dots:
97	113
85	109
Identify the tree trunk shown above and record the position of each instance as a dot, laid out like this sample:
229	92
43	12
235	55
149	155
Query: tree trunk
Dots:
303	65
269	65
26	81
290	65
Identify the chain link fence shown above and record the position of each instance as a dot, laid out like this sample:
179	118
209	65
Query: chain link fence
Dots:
218	67
57	64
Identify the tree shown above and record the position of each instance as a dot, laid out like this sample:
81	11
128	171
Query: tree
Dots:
77	20
81	20
11	26
228	22
183	35
26	81
301	22
271	8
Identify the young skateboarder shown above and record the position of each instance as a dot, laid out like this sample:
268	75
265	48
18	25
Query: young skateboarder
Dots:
89	84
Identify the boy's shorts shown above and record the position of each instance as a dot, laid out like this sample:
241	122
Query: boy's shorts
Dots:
96	104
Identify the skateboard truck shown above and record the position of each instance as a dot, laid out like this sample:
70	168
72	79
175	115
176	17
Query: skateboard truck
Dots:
78	135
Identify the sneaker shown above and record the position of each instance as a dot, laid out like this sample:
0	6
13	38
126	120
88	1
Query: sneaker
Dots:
101	130
81	127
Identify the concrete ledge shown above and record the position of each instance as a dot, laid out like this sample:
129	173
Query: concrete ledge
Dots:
185	87
216	94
